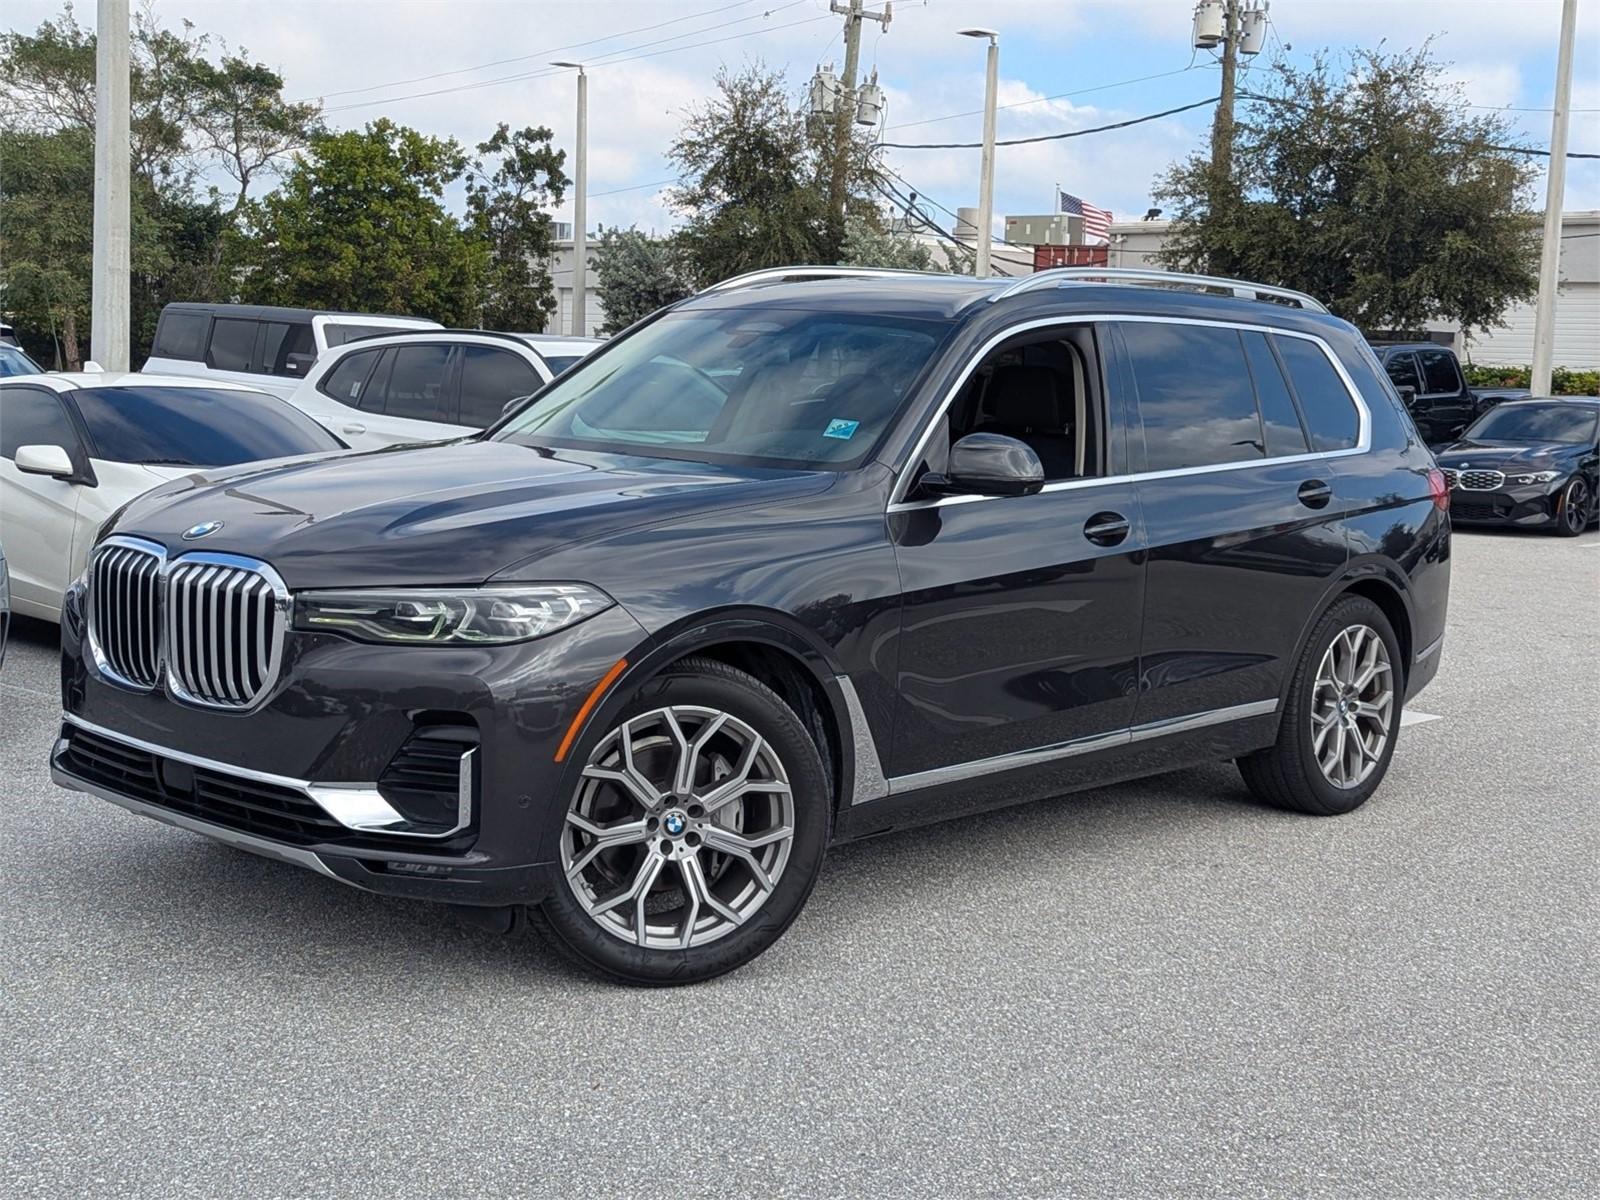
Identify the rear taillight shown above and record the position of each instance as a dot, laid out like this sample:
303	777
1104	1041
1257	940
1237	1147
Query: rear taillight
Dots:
1439	489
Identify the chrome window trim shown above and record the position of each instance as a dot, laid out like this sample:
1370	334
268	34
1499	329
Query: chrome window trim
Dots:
974	768
356	806
898	502
101	662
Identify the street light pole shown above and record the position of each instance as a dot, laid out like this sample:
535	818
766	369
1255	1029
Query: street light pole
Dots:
580	196
108	310
986	183
1544	314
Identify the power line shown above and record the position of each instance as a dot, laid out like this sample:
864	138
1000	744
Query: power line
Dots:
633	188
1048	137
608	62
500	62
1103	87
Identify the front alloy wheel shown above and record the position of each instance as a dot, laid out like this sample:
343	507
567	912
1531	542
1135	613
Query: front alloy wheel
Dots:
694	831
680	829
1572	513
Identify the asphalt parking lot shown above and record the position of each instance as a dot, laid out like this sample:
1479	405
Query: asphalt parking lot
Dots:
1157	989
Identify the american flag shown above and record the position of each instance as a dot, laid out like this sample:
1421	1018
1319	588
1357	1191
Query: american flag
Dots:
1096	221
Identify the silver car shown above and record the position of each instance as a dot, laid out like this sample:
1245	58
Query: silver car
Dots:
5	605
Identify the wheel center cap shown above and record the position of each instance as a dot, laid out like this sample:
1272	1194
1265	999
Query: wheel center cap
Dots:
674	823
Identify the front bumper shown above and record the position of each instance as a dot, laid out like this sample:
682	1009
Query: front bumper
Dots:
1531	506
296	778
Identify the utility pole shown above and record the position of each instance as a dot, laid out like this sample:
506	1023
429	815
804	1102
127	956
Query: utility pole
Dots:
845	112
980	266
580	196
1222	120
108	310
1544	318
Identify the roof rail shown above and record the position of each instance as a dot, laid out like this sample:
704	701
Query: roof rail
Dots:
435	331
1243	289
796	274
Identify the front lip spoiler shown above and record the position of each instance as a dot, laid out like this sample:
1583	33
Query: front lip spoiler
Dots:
293	855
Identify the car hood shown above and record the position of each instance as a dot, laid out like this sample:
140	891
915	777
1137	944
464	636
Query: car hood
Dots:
1505	456
453	512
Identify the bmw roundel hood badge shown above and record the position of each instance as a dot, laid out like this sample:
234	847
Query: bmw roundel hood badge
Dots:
204	529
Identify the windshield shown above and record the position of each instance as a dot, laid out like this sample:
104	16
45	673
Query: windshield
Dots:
1536	423
196	427
15	362
765	386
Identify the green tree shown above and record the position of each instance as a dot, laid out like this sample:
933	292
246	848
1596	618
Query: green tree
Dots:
46	237
635	274
192	121
506	209
1371	186
866	245
359	223
752	179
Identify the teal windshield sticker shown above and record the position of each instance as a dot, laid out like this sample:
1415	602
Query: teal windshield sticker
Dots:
841	429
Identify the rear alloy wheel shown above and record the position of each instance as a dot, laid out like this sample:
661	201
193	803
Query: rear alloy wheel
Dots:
1341	718
695	831
1572	512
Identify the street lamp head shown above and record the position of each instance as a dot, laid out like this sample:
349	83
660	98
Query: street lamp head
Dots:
576	66
991	34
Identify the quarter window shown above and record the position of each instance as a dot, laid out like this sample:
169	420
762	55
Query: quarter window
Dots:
348	378
233	344
1330	413
489	380
1439	372
1195	400
33	417
1280	423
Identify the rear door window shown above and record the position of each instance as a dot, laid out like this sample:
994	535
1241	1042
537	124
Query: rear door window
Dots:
489	380
1330	413
1280	423
1402	370
1196	402
1439	374
233	344
182	335
414	384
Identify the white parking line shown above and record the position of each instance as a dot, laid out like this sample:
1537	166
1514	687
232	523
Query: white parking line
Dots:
1412	717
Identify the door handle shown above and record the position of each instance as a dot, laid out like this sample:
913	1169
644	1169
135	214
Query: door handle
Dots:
1314	493
354	427
1106	528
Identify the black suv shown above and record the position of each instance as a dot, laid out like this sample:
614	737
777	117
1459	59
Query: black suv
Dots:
813	555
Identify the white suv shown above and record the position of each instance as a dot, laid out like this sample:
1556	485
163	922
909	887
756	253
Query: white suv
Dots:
266	348
427	386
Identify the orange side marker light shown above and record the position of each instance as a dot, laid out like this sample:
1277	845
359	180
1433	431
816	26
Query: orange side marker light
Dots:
606	681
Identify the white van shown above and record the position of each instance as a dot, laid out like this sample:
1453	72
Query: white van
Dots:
271	349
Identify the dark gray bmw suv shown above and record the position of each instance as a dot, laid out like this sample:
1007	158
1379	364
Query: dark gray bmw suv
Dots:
813	555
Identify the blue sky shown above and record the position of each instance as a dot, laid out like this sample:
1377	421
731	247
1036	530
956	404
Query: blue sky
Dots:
1501	52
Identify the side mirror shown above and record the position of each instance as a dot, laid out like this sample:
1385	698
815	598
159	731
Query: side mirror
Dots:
46	460
1408	396
987	464
297	364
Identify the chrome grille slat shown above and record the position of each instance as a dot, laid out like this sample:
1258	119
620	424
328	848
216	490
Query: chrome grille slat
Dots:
125	590
212	624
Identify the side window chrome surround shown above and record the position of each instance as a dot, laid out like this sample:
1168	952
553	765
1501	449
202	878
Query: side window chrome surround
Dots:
898	502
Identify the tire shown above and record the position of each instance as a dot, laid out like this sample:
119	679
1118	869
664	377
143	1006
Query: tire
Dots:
689	875
1573	511
1293	772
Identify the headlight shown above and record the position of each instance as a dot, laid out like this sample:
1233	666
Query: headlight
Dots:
513	612
1535	477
